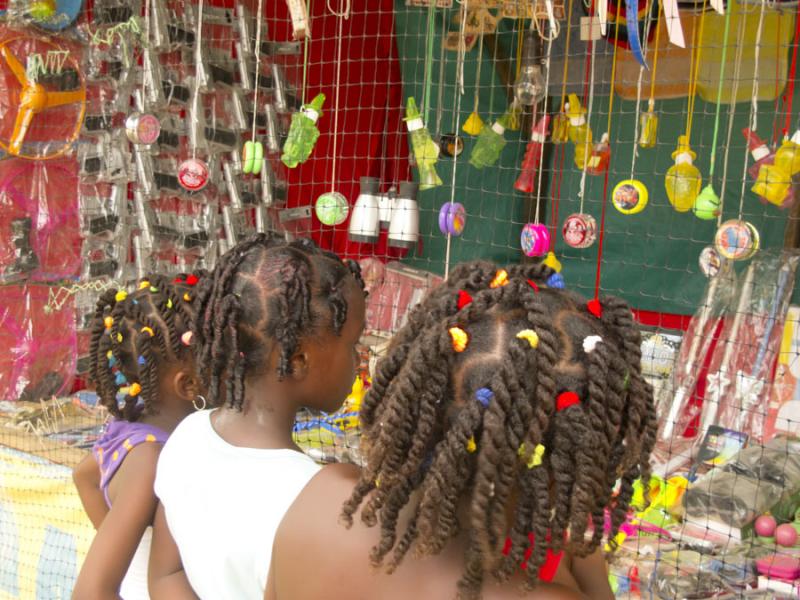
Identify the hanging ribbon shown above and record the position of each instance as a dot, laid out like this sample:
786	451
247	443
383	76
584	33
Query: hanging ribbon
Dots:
632	18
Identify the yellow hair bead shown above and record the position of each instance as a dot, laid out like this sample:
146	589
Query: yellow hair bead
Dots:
535	459
500	279
109	354
119	337
135	389
460	338
471	445
108	322
169	303
530	336
149	330
121	295
552	262
187	297
144	285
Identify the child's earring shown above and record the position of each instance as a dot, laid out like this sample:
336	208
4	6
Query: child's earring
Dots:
201	405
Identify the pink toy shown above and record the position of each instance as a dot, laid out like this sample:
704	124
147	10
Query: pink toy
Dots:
779	566
765	526
786	535
535	239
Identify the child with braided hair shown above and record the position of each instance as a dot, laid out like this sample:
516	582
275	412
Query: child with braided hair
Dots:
142	366
495	432
277	329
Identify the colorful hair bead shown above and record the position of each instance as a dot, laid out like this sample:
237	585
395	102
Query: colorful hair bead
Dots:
108	322
530	336
535	459
178	280
556	281
119	337
135	389
187	297
112	360
464	299
590	343
109	354
459	338
141	361
120	379
148	330
169	303
566	399
532	283
192	280
186	338
500	279
144	285
153	289
121	295
595	308
471	445
484	396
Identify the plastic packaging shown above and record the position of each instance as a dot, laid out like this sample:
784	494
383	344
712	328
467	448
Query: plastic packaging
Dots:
491	140
426	152
303	133
683	179
579	132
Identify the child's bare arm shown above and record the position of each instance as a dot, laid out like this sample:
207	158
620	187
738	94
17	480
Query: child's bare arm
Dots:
166	578
591	574
87	481
121	531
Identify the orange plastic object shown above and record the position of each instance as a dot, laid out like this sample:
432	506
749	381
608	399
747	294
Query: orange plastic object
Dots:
37	120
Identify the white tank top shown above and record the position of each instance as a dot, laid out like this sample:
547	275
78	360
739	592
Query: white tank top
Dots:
223	506
134	586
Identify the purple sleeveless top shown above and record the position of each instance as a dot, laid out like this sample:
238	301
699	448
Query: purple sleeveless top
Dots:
118	439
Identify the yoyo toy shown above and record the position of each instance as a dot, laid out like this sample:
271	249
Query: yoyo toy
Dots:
535	239
579	230
710	261
451	144
452	219
193	174
332	208
707	204
253	158
737	240
142	128
630	196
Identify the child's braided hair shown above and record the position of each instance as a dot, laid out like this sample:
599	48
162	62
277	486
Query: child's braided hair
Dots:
503	392
132	334
266	291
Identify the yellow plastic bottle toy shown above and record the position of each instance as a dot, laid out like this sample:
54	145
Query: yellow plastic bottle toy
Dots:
579	132
683	179
774	180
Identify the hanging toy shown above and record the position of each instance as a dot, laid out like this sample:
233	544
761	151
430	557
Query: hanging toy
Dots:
474	123
142	128
630	196
452	219
648	126
535	239
763	157
551	261
707	205
533	156
683	179
303	133
774	181
560	133
426	152
332	208
193	174
737	240
580	230
252	157
491	142
579	132
600	157
710	261
451	145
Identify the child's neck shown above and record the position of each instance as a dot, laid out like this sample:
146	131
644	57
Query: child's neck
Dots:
265	421
167	415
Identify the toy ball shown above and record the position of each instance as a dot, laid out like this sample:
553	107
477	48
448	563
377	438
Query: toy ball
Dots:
452	219
629	197
580	230
535	239
765	526
332	209
193	174
737	240
786	535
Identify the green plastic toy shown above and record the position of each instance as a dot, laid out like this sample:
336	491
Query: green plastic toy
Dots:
426	152
303	133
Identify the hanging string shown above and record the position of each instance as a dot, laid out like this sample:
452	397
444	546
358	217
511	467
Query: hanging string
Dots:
555	27
257	58
459	74
566	57
426	94
588	122
651	102
608	168
777	85
440	91
544	104
752	120
695	70
305	55
197	61
737	64
792	77
145	55
476	97
719	91
340	17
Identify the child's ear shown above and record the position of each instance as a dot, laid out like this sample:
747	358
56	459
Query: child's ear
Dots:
186	385
300	363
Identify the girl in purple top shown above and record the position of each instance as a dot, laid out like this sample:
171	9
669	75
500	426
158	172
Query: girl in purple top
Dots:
142	365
